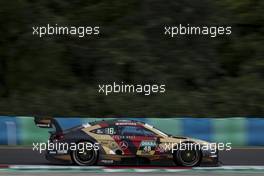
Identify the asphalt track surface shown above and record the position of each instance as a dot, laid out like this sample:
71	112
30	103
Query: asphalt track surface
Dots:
25	156
130	174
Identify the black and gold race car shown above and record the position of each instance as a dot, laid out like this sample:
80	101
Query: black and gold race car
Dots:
124	141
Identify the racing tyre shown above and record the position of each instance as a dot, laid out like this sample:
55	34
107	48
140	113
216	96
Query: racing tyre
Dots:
83	157
187	156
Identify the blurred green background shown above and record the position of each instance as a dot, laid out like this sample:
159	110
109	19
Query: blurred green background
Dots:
60	75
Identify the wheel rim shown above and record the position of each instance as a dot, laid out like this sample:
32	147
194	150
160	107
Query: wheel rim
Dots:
189	156
84	157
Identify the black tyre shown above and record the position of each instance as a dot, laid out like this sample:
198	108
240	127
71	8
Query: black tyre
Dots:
188	157
83	157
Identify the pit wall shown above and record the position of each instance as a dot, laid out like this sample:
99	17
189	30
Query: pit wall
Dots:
240	131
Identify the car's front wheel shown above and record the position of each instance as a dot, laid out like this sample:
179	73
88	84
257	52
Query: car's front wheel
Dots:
187	157
83	156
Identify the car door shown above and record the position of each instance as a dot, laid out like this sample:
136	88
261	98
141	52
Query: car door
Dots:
106	138
136	140
147	142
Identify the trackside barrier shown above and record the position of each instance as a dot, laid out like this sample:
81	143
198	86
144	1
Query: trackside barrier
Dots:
240	131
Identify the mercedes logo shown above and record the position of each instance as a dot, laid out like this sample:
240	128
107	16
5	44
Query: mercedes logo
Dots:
123	145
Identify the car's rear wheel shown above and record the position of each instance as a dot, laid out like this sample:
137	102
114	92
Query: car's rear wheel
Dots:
83	156
188	157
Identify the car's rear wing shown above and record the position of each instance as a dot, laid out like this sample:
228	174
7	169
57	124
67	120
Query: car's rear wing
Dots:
47	122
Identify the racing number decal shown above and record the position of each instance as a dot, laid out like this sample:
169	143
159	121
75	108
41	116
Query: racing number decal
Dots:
110	131
147	148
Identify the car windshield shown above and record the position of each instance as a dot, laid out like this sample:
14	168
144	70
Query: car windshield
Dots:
161	133
158	131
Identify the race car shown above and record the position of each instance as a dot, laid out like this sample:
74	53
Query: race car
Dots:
121	142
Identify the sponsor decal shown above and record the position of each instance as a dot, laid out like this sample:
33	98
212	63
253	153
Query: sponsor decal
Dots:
147	146
161	148
62	152
126	123
107	161
148	143
123	145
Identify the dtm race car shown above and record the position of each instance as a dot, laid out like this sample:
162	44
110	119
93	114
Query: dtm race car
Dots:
121	142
